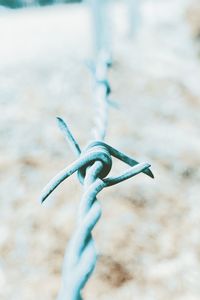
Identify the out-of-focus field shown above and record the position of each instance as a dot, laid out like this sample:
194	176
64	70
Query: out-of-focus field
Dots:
148	237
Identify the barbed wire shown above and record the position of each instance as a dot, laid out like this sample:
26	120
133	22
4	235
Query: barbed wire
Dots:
93	165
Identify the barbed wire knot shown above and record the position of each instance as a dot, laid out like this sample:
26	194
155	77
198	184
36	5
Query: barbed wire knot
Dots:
100	153
96	151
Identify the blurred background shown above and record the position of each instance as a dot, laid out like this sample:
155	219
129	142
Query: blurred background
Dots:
148	237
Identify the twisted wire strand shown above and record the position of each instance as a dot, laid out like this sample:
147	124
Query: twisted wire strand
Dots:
90	209
101	94
92	166
81	256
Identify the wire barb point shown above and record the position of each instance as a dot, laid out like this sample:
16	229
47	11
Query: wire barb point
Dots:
68	136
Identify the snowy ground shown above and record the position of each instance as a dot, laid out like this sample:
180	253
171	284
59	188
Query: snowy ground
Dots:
148	238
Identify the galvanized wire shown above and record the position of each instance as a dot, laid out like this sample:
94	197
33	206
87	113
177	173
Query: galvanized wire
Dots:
92	166
80	258
101	95
101	25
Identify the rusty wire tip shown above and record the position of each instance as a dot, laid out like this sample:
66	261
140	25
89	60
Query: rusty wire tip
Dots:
68	136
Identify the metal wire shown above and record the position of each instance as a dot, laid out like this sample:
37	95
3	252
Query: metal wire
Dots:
92	166
101	94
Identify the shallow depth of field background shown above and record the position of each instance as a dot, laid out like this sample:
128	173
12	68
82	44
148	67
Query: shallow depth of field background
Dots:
148	238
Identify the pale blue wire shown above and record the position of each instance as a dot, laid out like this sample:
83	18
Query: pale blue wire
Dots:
92	166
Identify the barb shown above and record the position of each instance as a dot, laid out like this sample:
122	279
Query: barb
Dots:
97	152
69	136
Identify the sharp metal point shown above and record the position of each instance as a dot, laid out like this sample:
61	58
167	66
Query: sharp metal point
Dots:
69	136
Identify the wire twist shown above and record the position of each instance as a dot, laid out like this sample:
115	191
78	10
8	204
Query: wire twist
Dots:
101	94
93	166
